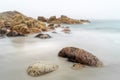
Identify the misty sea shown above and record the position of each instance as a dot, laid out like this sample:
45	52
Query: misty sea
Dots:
102	38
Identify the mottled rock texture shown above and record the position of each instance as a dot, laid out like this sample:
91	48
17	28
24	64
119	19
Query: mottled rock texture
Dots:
39	69
80	56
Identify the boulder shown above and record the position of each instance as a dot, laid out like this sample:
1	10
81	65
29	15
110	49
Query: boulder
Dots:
41	18
52	18
14	34
80	56
39	69
3	31
43	36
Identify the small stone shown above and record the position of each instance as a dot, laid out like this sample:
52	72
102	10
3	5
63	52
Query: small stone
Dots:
77	66
43	36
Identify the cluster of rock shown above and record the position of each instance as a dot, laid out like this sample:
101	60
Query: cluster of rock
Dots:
62	20
15	23
81	58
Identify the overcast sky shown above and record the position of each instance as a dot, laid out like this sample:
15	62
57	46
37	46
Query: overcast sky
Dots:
85	9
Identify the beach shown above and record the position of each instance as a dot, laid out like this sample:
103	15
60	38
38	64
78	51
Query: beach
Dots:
17	53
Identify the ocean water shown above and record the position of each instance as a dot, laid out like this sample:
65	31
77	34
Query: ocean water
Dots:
102	38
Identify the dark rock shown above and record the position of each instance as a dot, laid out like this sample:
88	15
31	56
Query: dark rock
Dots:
54	32
51	25
43	36
3	31
80	56
14	34
52	18
41	18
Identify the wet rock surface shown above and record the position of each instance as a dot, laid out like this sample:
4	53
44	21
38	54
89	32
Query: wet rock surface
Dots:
80	56
43	36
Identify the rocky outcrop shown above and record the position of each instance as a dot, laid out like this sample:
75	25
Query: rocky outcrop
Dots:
21	23
43	36
80	56
63	20
39	69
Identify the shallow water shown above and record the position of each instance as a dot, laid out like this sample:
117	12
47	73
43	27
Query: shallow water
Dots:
16	54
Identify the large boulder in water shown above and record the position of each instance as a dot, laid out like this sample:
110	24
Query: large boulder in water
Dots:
39	69
80	56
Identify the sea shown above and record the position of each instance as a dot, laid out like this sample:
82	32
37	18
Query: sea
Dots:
100	37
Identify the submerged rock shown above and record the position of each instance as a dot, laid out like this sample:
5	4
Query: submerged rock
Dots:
43	36
77	66
80	56
66	30
39	69
54	32
14	34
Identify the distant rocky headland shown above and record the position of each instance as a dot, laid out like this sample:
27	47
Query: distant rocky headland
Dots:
62	20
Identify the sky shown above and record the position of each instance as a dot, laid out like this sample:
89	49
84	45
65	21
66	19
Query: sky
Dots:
79	9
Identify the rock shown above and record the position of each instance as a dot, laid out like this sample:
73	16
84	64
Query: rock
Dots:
52	18
77	66
80	56
43	36
57	25
3	31
51	25
21	23
35	30
54	32
14	34
63	20
39	69
41	18
66	30
51	28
